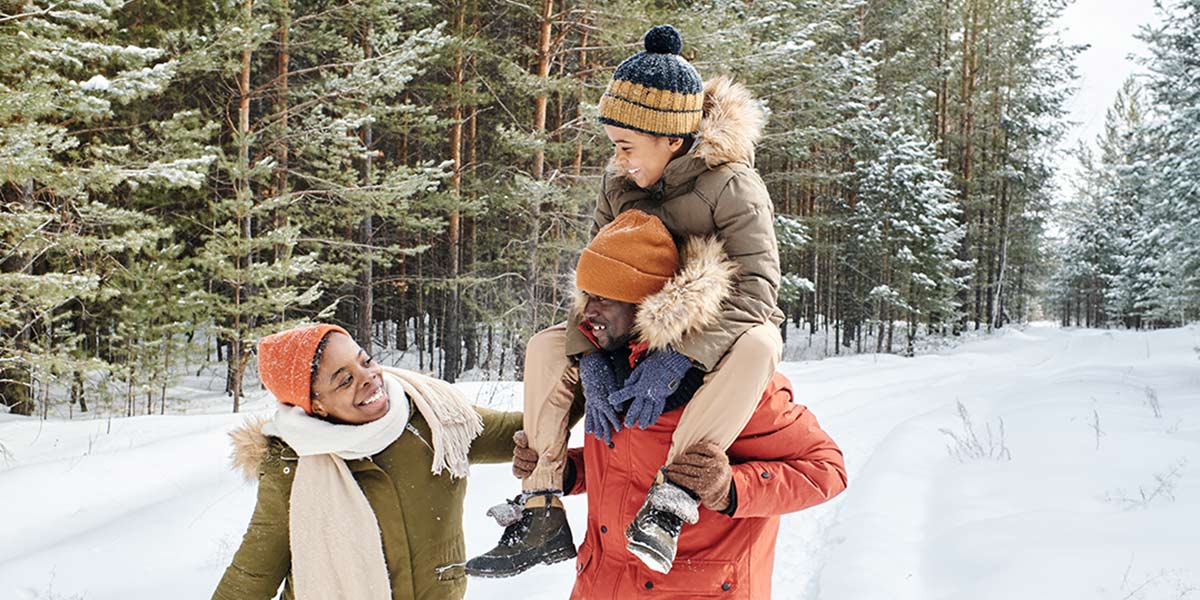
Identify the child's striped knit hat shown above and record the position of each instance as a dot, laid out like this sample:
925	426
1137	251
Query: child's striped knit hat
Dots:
655	91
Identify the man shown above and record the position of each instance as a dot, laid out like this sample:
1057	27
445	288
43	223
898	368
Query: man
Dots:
781	462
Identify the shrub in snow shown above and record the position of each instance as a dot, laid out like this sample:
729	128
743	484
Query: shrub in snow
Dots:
966	445
1163	489
1152	402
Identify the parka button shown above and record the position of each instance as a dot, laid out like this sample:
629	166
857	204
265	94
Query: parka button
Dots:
287	470
649	585
725	586
612	445
603	529
766	475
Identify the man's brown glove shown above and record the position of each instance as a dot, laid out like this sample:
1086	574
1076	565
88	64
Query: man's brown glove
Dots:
524	457
704	469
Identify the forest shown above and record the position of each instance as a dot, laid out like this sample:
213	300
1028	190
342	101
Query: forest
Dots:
180	178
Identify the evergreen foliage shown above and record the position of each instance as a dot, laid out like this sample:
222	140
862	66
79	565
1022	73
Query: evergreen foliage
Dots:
1130	255
180	178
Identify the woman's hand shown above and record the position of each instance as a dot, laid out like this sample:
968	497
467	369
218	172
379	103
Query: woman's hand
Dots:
525	459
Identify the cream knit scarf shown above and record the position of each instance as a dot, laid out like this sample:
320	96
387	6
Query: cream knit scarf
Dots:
336	548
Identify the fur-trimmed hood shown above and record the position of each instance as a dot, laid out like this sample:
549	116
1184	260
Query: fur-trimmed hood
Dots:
250	447
690	301
732	124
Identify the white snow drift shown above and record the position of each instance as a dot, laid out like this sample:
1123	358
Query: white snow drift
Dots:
1042	463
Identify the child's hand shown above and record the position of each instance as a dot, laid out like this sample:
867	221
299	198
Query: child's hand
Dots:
647	389
704	469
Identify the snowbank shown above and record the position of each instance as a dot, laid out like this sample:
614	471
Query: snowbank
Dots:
1092	492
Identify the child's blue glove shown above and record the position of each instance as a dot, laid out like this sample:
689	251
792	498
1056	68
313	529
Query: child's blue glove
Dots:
646	390
600	417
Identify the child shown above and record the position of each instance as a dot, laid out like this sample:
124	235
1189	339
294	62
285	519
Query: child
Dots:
684	152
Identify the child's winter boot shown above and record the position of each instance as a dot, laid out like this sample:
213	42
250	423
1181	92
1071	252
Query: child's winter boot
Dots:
654	532
537	534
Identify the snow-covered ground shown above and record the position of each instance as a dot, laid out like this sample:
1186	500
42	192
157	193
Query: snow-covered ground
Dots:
1092	491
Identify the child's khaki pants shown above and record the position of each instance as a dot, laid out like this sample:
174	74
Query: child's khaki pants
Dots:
717	413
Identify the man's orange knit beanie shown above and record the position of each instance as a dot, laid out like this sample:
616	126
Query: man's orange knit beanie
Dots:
629	259
286	361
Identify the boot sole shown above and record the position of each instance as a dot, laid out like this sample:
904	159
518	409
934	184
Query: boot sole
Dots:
557	556
650	557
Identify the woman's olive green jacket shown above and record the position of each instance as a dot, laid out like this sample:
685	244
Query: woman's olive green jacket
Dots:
419	513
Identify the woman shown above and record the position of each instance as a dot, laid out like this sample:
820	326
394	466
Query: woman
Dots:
361	476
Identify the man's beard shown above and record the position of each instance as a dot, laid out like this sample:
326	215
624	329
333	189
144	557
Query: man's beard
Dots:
618	343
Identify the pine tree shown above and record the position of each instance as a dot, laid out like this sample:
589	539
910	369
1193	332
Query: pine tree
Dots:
309	187
1172	225
72	158
1130	255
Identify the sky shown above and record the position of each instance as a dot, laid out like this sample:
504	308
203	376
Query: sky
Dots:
1108	26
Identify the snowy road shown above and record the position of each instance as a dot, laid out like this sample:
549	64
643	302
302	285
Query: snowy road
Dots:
1093	492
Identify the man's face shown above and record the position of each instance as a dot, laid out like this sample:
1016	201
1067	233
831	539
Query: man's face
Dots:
611	321
640	156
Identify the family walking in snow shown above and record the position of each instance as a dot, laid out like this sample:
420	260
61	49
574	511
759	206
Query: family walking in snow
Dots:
694	445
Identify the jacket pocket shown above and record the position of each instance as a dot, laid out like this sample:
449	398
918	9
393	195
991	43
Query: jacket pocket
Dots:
694	578
451	572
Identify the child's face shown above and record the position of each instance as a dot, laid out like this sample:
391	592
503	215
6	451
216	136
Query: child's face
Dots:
348	387
640	156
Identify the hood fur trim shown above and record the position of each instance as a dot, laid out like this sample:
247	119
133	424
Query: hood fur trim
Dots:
578	300
732	125
249	447
692	299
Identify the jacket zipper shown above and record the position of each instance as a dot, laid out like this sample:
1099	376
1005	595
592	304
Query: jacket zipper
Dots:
409	427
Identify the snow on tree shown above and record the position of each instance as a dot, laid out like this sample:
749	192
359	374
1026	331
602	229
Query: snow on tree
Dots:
1131	254
71	159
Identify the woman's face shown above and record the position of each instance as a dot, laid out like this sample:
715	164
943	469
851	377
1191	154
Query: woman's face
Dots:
348	387
640	156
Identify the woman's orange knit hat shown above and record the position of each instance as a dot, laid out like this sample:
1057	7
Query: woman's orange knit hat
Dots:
285	362
629	259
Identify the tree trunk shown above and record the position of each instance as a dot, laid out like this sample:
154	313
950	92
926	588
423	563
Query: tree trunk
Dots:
998	303
234	368
16	379
543	74
471	232
282	100
130	378
943	93
538	172
366	229
816	274
403	299
966	129
582	94
452	339
165	374
78	393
